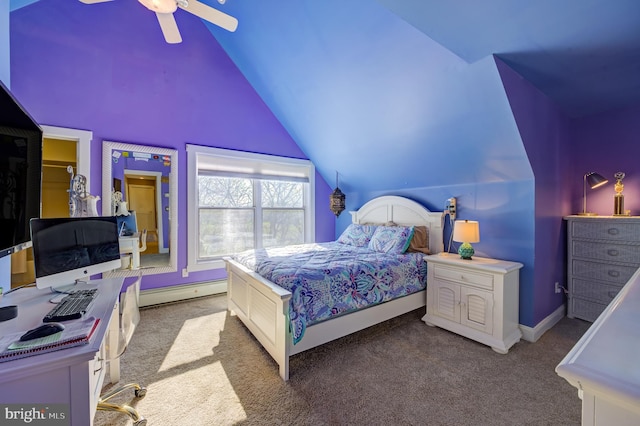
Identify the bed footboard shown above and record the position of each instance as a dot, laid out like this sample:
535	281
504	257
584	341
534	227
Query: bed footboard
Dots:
263	308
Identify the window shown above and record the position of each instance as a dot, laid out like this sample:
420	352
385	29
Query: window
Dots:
239	201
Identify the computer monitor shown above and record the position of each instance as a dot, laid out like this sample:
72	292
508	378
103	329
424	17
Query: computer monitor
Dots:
66	250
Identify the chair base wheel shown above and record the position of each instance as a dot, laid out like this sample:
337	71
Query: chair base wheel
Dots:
140	393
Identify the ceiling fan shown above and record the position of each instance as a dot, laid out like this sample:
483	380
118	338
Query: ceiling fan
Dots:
164	12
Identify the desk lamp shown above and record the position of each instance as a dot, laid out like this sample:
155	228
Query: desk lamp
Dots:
594	180
465	232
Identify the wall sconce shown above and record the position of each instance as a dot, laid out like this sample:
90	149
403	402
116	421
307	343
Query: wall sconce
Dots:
336	200
594	180
465	232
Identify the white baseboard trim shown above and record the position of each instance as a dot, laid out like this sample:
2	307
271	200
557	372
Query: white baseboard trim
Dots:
156	296
533	334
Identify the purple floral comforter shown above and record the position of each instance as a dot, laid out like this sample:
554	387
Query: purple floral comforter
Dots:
331	279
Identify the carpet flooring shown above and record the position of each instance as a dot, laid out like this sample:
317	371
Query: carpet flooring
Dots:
201	366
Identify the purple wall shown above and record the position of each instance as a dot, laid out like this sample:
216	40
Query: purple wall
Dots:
607	143
126	84
545	134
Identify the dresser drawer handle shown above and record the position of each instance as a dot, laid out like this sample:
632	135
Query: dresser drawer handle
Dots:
614	274
613	231
613	252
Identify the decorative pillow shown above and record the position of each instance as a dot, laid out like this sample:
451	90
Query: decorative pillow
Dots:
391	239
420	241
357	235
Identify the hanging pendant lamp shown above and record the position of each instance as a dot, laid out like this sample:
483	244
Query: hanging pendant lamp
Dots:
336	200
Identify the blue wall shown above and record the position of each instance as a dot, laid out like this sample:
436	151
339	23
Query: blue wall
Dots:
365	94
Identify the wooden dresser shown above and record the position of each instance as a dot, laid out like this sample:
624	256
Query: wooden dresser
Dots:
603	252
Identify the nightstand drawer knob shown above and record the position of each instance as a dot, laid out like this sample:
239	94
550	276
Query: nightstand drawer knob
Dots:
614	274
613	231
613	252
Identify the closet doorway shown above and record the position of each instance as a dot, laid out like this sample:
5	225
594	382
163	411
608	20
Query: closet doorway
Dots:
61	147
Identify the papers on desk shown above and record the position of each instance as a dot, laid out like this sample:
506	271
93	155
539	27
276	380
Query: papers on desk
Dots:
76	333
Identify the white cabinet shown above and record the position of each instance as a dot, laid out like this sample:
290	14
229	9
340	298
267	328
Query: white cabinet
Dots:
475	298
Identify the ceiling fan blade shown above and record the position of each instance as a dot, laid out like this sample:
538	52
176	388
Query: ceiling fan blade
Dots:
212	15
169	28
94	1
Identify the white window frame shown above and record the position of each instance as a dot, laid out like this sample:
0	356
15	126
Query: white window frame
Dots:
200	156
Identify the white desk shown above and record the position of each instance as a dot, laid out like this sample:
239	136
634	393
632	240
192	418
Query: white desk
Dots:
131	244
72	376
604	364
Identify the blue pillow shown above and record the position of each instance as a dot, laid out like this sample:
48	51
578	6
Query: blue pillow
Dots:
391	239
357	235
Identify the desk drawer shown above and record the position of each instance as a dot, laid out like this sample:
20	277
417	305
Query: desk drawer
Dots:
97	369
463	276
609	230
608	252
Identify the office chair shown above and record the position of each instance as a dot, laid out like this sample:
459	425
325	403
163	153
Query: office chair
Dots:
129	319
143	240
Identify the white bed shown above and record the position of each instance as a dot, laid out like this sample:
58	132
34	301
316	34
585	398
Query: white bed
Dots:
264	307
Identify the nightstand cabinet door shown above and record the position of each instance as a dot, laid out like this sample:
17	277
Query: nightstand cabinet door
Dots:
447	300
603	252
475	298
477	309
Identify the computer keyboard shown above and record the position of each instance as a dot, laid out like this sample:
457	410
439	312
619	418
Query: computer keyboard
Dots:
72	306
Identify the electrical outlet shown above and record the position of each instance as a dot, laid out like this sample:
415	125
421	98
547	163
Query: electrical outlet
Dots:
558	288
185	273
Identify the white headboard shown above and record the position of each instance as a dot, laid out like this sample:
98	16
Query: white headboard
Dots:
403	211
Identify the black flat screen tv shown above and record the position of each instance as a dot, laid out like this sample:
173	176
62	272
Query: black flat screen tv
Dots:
20	173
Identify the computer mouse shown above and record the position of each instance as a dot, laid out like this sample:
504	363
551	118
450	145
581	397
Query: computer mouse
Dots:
42	331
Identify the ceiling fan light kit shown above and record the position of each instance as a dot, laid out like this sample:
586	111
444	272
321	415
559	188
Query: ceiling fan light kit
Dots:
160	6
164	10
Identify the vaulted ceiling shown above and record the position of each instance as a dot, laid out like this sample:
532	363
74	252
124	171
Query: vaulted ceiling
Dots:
584	54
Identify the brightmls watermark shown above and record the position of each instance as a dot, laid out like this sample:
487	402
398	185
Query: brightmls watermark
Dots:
35	414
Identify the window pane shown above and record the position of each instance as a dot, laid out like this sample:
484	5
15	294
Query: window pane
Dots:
278	193
282	227
216	191
224	232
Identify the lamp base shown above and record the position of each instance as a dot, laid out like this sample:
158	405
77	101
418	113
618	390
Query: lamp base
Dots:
466	251
587	214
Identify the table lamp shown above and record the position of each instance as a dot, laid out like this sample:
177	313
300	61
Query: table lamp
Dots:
465	232
593	180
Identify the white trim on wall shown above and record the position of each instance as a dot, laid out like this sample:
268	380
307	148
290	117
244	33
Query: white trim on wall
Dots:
532	334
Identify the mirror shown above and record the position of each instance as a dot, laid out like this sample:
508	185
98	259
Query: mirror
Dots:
146	176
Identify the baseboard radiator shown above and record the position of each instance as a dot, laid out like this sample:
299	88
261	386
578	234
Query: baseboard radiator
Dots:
157	296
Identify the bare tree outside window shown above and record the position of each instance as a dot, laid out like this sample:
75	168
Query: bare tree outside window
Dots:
227	214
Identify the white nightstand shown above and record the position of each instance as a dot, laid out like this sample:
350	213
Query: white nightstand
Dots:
475	298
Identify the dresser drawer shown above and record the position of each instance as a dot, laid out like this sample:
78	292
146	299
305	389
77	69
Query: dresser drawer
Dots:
463	276
594	290
596	271
586	309
610	230
608	252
